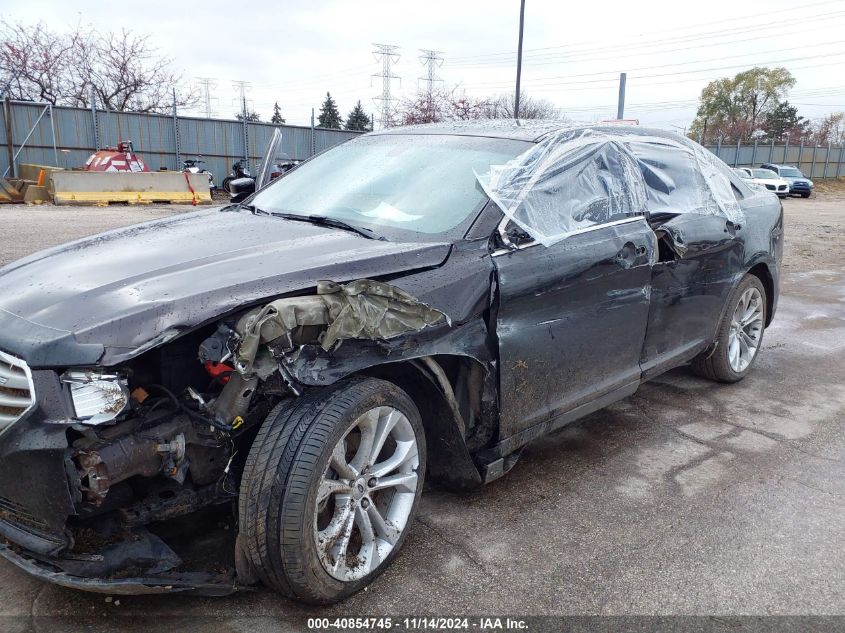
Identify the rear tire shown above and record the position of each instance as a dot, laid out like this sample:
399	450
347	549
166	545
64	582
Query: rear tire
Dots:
739	337
330	488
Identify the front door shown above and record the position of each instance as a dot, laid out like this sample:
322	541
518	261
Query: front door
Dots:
571	320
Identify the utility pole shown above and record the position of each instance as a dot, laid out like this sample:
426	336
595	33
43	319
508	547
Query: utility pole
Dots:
388	56
242	87
176	134
93	99
431	60
519	59
313	142
207	84
620	108
7	116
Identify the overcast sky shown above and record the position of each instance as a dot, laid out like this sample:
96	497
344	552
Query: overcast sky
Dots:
293	52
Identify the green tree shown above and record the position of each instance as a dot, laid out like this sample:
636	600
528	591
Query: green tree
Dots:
734	108
329	114
250	116
782	120
277	117
358	119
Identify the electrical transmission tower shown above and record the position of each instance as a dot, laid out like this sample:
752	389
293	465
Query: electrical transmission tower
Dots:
207	84
431	60
389	56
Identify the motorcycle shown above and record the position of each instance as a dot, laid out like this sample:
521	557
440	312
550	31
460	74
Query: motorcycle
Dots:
192	165
275	164
239	170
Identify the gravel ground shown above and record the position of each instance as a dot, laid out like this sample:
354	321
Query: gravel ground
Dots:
687	498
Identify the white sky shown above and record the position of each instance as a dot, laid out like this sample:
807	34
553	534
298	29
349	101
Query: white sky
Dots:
293	52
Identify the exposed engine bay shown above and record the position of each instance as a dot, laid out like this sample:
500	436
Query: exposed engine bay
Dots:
156	456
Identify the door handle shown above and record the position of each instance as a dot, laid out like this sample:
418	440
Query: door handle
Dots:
628	254
731	227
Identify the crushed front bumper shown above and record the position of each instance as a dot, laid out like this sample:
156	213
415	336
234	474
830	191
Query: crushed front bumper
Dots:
197	583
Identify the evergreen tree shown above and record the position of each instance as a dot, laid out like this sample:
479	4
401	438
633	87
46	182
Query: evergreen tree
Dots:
277	117
329	114
250	116
783	118
358	119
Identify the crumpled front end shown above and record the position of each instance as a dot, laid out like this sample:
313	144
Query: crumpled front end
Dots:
123	478
78	503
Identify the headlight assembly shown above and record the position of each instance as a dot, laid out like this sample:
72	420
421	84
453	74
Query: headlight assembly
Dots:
97	398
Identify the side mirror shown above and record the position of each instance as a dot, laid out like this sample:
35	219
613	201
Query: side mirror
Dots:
241	188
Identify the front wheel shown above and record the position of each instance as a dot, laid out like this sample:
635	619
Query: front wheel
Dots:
740	334
330	488
225	184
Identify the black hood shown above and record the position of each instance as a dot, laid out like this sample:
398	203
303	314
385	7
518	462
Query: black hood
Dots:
109	297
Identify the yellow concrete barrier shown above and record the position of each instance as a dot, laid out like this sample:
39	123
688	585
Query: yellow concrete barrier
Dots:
102	187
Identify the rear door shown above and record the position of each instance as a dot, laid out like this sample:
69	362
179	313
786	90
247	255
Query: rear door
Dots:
700	257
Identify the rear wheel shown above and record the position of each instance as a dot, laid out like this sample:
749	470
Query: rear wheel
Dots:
330	489
740	334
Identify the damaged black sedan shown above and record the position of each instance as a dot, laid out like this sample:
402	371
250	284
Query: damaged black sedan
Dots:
255	394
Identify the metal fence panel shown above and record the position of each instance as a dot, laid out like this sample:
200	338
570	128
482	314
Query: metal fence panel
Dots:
811	160
219	142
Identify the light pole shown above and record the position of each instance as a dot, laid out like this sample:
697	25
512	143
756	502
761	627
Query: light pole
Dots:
519	59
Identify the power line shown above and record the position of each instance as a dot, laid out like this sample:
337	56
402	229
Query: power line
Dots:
550	81
388	56
802	9
655	47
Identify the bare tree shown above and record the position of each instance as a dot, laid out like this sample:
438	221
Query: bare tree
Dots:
441	104
829	130
125	71
502	107
34	60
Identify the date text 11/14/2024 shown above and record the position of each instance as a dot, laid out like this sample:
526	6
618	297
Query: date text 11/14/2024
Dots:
417	623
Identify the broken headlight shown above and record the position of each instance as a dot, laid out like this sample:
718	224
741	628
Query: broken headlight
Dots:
96	398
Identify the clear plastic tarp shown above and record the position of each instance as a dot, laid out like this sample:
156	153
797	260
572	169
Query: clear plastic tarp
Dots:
576	178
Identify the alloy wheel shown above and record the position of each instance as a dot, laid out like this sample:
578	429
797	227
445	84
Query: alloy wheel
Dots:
366	494
746	330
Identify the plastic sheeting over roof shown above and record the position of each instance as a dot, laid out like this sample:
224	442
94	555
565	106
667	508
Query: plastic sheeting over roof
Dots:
576	178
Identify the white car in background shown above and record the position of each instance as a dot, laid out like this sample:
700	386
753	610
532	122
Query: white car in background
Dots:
765	178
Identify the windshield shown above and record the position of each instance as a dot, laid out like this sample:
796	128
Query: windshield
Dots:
791	172
742	173
420	183
764	173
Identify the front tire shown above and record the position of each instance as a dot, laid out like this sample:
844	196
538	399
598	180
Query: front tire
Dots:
740	334
330	488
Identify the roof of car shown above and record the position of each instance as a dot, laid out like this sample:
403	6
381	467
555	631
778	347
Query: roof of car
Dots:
522	129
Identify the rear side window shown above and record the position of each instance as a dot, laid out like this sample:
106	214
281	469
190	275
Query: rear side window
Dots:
673	180
577	178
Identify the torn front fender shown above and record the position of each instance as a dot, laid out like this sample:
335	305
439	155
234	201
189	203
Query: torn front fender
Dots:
362	309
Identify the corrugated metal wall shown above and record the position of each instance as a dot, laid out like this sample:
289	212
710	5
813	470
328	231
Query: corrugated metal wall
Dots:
218	142
813	161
